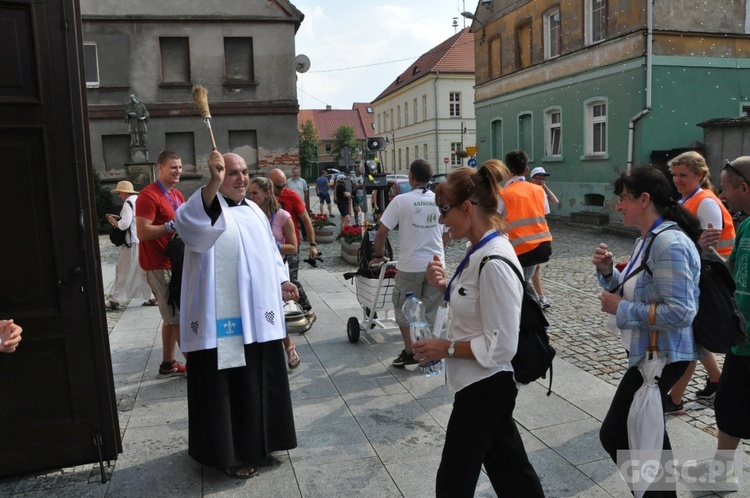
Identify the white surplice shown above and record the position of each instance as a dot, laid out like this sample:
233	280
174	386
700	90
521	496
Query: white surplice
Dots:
260	272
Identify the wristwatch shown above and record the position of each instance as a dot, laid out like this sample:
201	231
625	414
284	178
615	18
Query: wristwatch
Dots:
452	349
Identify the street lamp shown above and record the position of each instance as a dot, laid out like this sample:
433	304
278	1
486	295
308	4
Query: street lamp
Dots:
469	15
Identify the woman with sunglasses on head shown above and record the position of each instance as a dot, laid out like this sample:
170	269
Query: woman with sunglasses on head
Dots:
484	317
282	226
692	179
671	282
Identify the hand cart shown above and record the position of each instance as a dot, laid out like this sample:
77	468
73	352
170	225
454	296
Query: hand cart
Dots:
374	295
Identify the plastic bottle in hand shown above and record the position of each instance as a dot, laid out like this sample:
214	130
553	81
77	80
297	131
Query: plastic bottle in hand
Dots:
413	310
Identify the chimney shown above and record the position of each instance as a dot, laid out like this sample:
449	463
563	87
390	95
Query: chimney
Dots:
328	108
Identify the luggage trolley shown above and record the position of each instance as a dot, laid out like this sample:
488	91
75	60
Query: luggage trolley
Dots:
374	294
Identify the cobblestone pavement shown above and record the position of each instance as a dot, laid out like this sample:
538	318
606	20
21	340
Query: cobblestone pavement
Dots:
577	325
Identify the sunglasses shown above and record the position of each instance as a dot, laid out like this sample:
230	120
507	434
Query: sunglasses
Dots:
447	207
728	166
279	187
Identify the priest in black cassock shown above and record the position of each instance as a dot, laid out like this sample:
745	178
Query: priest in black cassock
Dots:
234	285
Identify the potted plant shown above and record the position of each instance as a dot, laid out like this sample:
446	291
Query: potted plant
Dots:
350	238
323	228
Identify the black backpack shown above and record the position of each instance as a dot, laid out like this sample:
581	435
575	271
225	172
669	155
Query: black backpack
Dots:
534	355
367	250
719	323
120	237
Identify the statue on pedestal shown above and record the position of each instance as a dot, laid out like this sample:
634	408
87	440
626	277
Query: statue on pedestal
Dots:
136	116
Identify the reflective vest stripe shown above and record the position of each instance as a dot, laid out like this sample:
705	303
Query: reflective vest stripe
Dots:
531	238
527	221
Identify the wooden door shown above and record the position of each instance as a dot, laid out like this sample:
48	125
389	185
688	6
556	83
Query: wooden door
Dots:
57	402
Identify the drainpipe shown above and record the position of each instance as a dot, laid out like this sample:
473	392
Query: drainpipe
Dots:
437	127
649	57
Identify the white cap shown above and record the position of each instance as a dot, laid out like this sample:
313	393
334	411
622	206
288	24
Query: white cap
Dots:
538	171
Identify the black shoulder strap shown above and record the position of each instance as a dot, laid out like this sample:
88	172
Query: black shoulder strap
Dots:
132	209
507	261
646	254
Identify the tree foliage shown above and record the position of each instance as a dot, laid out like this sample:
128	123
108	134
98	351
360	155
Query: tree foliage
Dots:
308	147
344	136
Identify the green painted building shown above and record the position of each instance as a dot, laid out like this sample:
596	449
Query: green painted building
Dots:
592	88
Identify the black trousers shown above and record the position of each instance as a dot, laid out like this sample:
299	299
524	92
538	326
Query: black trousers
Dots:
614	431
293	261
481	430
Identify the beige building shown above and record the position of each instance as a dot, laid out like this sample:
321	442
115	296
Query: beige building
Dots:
428	111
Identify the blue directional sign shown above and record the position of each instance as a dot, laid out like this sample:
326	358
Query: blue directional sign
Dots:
472	162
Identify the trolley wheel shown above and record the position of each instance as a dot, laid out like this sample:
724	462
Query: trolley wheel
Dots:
352	329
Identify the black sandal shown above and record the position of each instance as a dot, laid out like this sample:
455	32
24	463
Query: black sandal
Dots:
235	472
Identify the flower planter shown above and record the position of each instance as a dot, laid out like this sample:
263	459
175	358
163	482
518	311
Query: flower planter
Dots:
324	235
349	252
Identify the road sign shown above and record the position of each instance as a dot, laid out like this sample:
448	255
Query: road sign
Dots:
471	150
446	160
472	162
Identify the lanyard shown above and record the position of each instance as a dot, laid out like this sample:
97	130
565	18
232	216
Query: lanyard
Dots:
683	201
635	256
465	261
174	202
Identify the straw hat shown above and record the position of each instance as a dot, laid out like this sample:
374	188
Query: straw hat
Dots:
124	187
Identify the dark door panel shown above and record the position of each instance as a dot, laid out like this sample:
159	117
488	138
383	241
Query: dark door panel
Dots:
57	390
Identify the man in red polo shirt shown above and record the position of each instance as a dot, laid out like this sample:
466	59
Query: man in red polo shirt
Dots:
154	221
293	204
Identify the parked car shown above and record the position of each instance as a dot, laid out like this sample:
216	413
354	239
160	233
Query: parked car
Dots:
397	186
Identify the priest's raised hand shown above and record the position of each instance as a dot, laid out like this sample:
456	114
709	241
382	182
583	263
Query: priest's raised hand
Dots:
217	168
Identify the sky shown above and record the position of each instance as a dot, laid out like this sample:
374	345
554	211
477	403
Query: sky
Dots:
358	47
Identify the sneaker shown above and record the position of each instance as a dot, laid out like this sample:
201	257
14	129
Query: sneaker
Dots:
404	359
545	304
177	370
673	409
709	391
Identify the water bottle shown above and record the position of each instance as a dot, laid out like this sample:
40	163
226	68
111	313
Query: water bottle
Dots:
413	310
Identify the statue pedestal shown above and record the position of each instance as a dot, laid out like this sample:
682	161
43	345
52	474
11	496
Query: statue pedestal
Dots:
140	171
138	155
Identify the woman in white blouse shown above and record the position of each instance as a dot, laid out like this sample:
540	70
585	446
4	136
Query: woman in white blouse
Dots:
130	281
482	339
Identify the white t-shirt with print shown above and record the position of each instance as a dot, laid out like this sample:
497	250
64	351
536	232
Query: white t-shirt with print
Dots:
420	236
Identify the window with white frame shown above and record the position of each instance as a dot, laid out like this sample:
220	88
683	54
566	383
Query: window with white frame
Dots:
406	114
91	63
391	118
552	33
398	115
416	152
596	128
424	107
380	123
596	20
526	133
416	116
455	160
454	105
424	151
408	159
553	135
